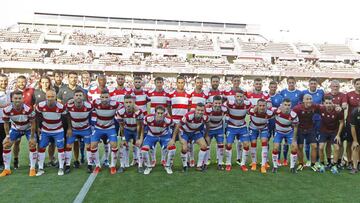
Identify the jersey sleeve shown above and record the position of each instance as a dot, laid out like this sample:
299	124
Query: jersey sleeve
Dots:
6	116
353	117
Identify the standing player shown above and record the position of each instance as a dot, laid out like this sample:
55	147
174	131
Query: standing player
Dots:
79	112
229	95
191	127
22	121
216	112
104	113
131	129
118	93
305	112
257	93
4	101
332	123
180	103
236	128
158	125
355	133
258	127
317	98
50	112
214	91
286	128
158	97
85	80
353	100
141	98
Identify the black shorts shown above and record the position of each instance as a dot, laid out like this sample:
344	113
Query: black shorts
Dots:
309	136
325	137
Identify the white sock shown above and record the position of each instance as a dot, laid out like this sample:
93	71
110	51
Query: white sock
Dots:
139	158
127	156
192	152
88	156
163	154
184	159
228	154
220	154
122	154
264	154
61	157
253	154
68	156
153	154
245	155
32	158
170	156
95	157
238	150
7	158
41	157
146	157
202	154
135	153
207	155
114	152
293	160
275	159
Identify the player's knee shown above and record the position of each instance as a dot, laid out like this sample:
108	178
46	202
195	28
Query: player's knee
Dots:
68	148
314	146
264	143
41	150
220	146
113	145
61	150
246	145
229	147
336	147
253	144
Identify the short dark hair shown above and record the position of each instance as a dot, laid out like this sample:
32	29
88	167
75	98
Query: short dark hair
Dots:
235	76
287	100
180	78
290	78
21	77
355	80
3	75
137	78
16	92
78	91
257	80
200	104
159	107
198	78
214	77
105	91
84	72
72	73
328	97
239	91
273	82
217	97
261	100
58	72
128	96
159	79
313	80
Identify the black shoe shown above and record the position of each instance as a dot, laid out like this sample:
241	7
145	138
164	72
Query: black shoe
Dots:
220	167
16	163
274	170
293	170
76	164
67	170
2	167
140	170
82	160
185	169
238	162
121	170
89	169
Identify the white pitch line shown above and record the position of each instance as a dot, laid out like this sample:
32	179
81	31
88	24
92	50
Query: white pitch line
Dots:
86	187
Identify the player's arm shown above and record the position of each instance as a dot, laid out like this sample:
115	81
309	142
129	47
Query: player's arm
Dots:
7	129
176	131
341	126
355	143
69	130
207	127
295	134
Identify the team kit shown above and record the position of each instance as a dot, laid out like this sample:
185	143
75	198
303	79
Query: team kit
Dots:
308	124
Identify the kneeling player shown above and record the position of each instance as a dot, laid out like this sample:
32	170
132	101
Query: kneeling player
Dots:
191	127
236	128
79	112
332	123
216	112
22	121
259	118
131	129
286	127
158	130
104	112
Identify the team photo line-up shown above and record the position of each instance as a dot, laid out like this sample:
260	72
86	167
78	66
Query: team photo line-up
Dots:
76	117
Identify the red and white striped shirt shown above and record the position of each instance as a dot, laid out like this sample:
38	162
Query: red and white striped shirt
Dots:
180	102
79	116
118	94
254	97
141	100
259	121
105	115
158	128
196	98
51	116
94	93
229	94
20	120
190	124
212	93
158	98
215	117
284	122
237	113
129	119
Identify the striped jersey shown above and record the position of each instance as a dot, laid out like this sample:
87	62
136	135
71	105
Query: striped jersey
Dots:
157	128
79	116
20	120
141	100
158	98
215	117
129	119
104	115
196	98
237	113
190	124
254	97
118	94
212	93
259	121
284	122
51	116
180	102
